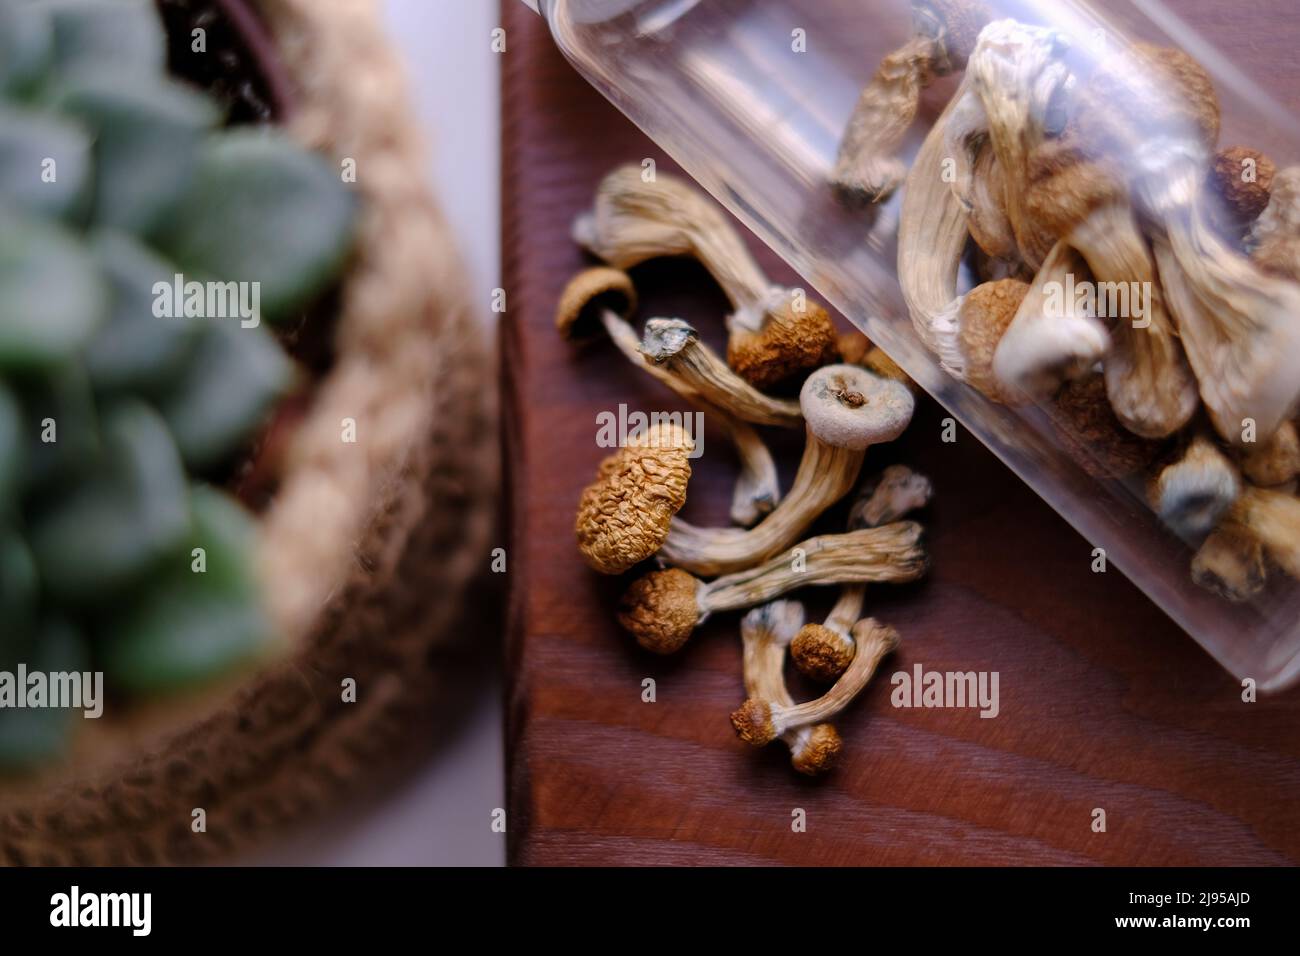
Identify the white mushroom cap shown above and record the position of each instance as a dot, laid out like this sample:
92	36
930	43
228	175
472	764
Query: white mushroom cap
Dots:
847	406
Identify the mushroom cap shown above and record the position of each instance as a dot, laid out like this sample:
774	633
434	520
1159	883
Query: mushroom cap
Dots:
753	722
1276	461
624	515
847	406
1064	189
853	347
1230	563
957	23
577	314
820	653
791	341
1193	493
1093	435
986	312
816	753
1143	90
1245	200
661	609
1279	257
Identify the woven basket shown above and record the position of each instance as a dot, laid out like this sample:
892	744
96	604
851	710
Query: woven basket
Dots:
368	549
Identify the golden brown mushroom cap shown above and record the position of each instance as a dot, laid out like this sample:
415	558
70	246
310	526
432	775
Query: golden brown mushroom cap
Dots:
1064	190
577	313
623	516
820	653
818	753
986	312
791	341
660	610
1094	437
1245	200
753	722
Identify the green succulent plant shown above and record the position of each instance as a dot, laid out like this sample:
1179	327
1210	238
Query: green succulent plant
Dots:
116	551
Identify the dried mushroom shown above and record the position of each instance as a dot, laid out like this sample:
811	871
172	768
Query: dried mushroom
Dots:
623	515
823	651
663	608
847	409
766	632
603	298
761	720
774	333
867	169
1193	493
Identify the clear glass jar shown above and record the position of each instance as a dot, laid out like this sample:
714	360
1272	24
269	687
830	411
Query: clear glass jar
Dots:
752	99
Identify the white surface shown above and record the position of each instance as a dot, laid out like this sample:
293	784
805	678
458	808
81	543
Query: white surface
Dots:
442	815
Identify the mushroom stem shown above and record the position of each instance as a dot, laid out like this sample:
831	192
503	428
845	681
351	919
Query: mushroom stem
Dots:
635	219
847	409
822	651
766	632
761	720
662	609
1237	322
675	346
1050	341
932	234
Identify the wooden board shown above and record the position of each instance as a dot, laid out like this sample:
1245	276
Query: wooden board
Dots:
1103	702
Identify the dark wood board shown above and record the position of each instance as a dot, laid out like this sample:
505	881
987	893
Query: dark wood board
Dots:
1104	702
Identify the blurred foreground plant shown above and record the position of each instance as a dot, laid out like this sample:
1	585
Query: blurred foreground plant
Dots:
118	187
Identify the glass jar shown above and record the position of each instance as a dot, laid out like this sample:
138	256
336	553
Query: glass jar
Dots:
753	98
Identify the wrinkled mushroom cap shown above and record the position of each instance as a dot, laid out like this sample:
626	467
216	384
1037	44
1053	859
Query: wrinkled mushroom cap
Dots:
661	610
577	315
1064	189
820	653
1245	199
956	24
791	341
816	753
847	406
986	312
624	515
753	722
1093	435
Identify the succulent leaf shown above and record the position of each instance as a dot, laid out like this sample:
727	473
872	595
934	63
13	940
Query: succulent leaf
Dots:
52	296
263	209
192	625
34	735
122	519
122	34
136	349
147	137
45	165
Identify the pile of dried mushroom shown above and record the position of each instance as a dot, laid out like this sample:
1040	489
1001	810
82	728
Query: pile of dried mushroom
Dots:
851	398
1054	170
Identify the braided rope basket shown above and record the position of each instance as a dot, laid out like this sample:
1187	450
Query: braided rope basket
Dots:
358	540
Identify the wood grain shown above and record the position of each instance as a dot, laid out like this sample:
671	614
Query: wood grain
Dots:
1104	702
